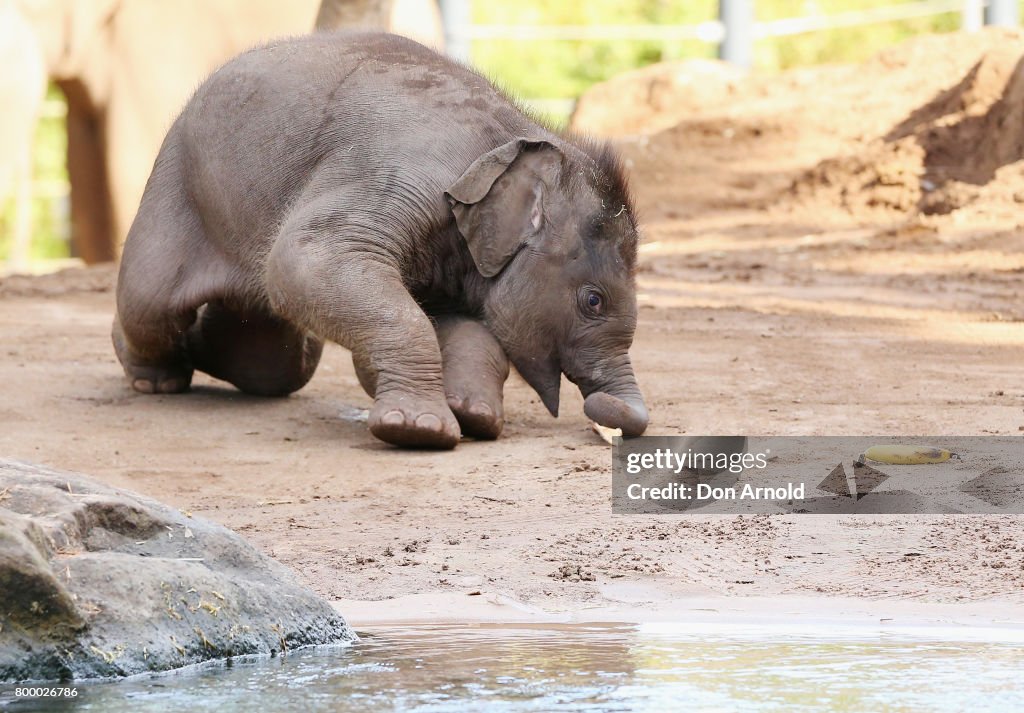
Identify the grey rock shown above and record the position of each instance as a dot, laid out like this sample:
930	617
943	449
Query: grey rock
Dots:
100	582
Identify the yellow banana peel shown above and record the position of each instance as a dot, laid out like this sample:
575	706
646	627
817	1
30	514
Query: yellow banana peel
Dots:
606	434
907	455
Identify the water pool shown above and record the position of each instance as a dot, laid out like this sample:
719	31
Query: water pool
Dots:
589	667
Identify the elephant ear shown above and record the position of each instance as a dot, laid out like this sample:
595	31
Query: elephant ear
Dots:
499	201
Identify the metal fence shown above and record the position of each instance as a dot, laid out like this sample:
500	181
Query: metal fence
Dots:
734	31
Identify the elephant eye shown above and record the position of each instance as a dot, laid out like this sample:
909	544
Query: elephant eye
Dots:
594	301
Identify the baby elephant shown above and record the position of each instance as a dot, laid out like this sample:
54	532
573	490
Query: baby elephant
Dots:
361	188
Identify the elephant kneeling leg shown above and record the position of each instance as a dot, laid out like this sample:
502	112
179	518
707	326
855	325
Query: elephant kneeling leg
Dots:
475	370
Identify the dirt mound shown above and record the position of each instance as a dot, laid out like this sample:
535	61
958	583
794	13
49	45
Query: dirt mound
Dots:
921	128
884	176
848	100
654	97
944	154
95	278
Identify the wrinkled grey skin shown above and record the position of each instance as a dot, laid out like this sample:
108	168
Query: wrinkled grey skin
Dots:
345	186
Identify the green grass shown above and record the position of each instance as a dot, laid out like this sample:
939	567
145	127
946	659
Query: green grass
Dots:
556	69
543	68
845	45
548	68
50	226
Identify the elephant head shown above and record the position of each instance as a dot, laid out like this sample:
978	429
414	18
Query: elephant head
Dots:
551	228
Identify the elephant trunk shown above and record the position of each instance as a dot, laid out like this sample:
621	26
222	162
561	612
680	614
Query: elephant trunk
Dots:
613	398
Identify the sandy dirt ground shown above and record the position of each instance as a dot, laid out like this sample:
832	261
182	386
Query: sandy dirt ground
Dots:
788	285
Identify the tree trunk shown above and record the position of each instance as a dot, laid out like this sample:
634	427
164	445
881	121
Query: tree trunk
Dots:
335	14
92	231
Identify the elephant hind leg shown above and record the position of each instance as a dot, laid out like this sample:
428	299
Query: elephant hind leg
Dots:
149	331
166	372
167	273
256	351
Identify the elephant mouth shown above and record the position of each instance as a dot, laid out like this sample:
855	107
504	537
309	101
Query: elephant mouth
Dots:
613	401
544	376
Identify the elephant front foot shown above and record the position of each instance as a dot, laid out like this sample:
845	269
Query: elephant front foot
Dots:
480	416
475	369
413	422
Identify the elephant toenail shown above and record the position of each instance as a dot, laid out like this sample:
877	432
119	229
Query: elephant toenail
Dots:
170	386
429	422
144	386
393	418
481	409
